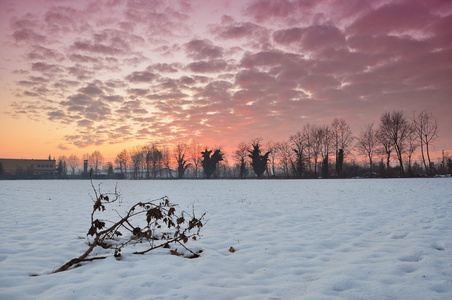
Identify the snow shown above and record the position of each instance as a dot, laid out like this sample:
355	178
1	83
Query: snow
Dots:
294	239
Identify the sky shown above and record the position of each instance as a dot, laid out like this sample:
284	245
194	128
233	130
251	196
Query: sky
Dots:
80	76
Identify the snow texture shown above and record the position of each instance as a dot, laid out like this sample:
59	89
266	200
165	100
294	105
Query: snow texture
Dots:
295	239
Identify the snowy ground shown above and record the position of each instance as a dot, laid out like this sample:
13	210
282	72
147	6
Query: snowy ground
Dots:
308	239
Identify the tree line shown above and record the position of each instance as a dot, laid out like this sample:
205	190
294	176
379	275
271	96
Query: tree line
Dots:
315	151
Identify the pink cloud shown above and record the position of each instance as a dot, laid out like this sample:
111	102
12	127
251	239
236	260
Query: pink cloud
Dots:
203	49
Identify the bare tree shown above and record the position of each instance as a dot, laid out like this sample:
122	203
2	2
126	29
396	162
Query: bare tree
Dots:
385	149
156	159
396	128
240	156
96	159
166	160
136	156
73	162
195	155
326	143
298	146
271	147
342	139
426	127
147	157
412	145
286	157
308	144
317	135
179	155
121	160
367	143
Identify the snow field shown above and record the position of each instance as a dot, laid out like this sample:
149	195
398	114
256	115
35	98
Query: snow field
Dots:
308	239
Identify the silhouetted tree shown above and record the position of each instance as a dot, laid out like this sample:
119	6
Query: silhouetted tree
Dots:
342	139
96	158
258	161
110	168
136	155
73	162
340	163
240	157
156	158
386	149
166	160
326	142
317	136
426	128
209	163
60	167
286	157
195	155
396	128
273	149
298	146
367	143
308	143
325	167
412	145
182	165
122	159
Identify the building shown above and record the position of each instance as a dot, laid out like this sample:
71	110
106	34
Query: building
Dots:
27	166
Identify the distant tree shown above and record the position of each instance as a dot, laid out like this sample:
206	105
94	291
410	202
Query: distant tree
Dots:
166	160
326	142
195	155
308	144
367	143
342	138
240	156
62	166
182	164
147	156
73	162
1	169
209	163
385	149
59	169
298	146
110	168
258	161
96	158
412	145
156	158
317	137
286	157
122	159
273	149
396	128
426	127
136	156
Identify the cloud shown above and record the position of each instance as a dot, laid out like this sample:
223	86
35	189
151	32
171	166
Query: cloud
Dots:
312	38
262	10
139	77
46	68
392	18
213	66
203	49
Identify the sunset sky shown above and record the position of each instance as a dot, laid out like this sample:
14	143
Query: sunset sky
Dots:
79	76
